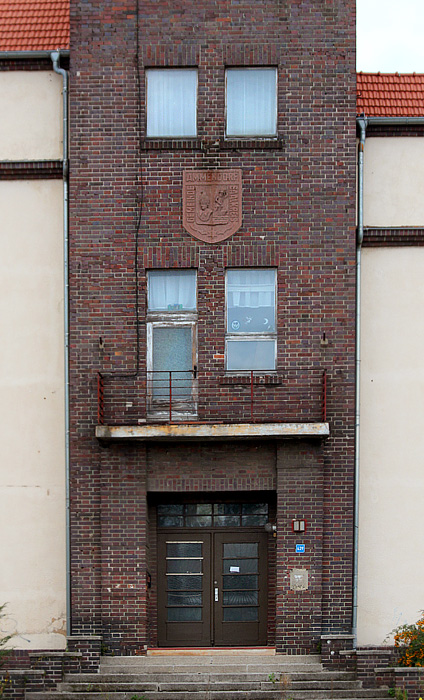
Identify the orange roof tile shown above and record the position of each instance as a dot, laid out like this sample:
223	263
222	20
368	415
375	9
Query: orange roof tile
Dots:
390	94
34	25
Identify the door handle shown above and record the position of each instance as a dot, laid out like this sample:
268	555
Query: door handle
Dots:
216	595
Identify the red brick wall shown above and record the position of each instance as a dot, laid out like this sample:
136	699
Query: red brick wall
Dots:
298	216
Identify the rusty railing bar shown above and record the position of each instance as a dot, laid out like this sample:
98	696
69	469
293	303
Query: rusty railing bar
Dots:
100	399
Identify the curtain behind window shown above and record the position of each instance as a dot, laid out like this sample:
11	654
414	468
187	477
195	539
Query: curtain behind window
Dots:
171	102
172	290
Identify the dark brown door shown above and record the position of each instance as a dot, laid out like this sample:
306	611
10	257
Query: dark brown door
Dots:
184	585
212	588
240	588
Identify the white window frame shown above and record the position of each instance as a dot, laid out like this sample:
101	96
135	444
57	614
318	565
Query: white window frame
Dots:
270	336
152	133
240	134
183	408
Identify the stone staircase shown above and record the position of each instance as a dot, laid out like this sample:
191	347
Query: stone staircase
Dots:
211	677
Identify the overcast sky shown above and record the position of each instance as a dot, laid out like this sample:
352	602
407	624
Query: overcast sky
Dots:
390	36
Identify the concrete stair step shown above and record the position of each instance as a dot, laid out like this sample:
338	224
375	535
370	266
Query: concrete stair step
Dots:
274	694
207	674
215	668
205	684
214	660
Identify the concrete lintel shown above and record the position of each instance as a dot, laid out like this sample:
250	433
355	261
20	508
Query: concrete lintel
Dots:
212	431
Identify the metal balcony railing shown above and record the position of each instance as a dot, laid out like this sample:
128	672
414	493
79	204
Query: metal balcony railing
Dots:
184	396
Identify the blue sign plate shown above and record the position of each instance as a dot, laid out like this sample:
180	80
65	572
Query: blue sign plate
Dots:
300	549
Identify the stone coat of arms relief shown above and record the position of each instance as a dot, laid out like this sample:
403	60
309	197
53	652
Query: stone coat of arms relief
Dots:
212	204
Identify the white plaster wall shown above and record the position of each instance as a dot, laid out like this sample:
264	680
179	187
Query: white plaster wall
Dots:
32	466
394	182
30	115
391	542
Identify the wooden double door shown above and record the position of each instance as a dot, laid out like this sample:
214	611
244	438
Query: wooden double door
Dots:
212	588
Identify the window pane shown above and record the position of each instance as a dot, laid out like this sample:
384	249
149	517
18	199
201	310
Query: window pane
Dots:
250	520
251	102
198	508
226	520
250	508
198	520
170	521
250	301
172	290
168	508
171	102
250	354
226	508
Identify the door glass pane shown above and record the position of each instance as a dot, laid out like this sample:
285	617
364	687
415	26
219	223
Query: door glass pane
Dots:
240	598
184	583
184	566
240	566
240	549
184	598
172	351
237	582
240	614
185	614
184	549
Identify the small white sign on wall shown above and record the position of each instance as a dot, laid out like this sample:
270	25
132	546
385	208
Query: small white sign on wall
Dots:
299	580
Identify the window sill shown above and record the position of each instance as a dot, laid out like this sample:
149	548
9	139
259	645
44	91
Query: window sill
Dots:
172	144
272	144
198	144
262	379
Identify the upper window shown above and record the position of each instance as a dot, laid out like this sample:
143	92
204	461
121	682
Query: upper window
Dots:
251	334
171	102
251	102
172	290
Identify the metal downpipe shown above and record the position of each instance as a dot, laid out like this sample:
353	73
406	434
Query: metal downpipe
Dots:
55	57
362	123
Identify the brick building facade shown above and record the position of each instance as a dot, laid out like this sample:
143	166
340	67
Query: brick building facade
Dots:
247	441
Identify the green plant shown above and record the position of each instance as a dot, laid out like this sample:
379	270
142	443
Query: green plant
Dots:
284	682
138	697
401	694
410	639
3	640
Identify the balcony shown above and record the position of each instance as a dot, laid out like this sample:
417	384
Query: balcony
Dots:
173	405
